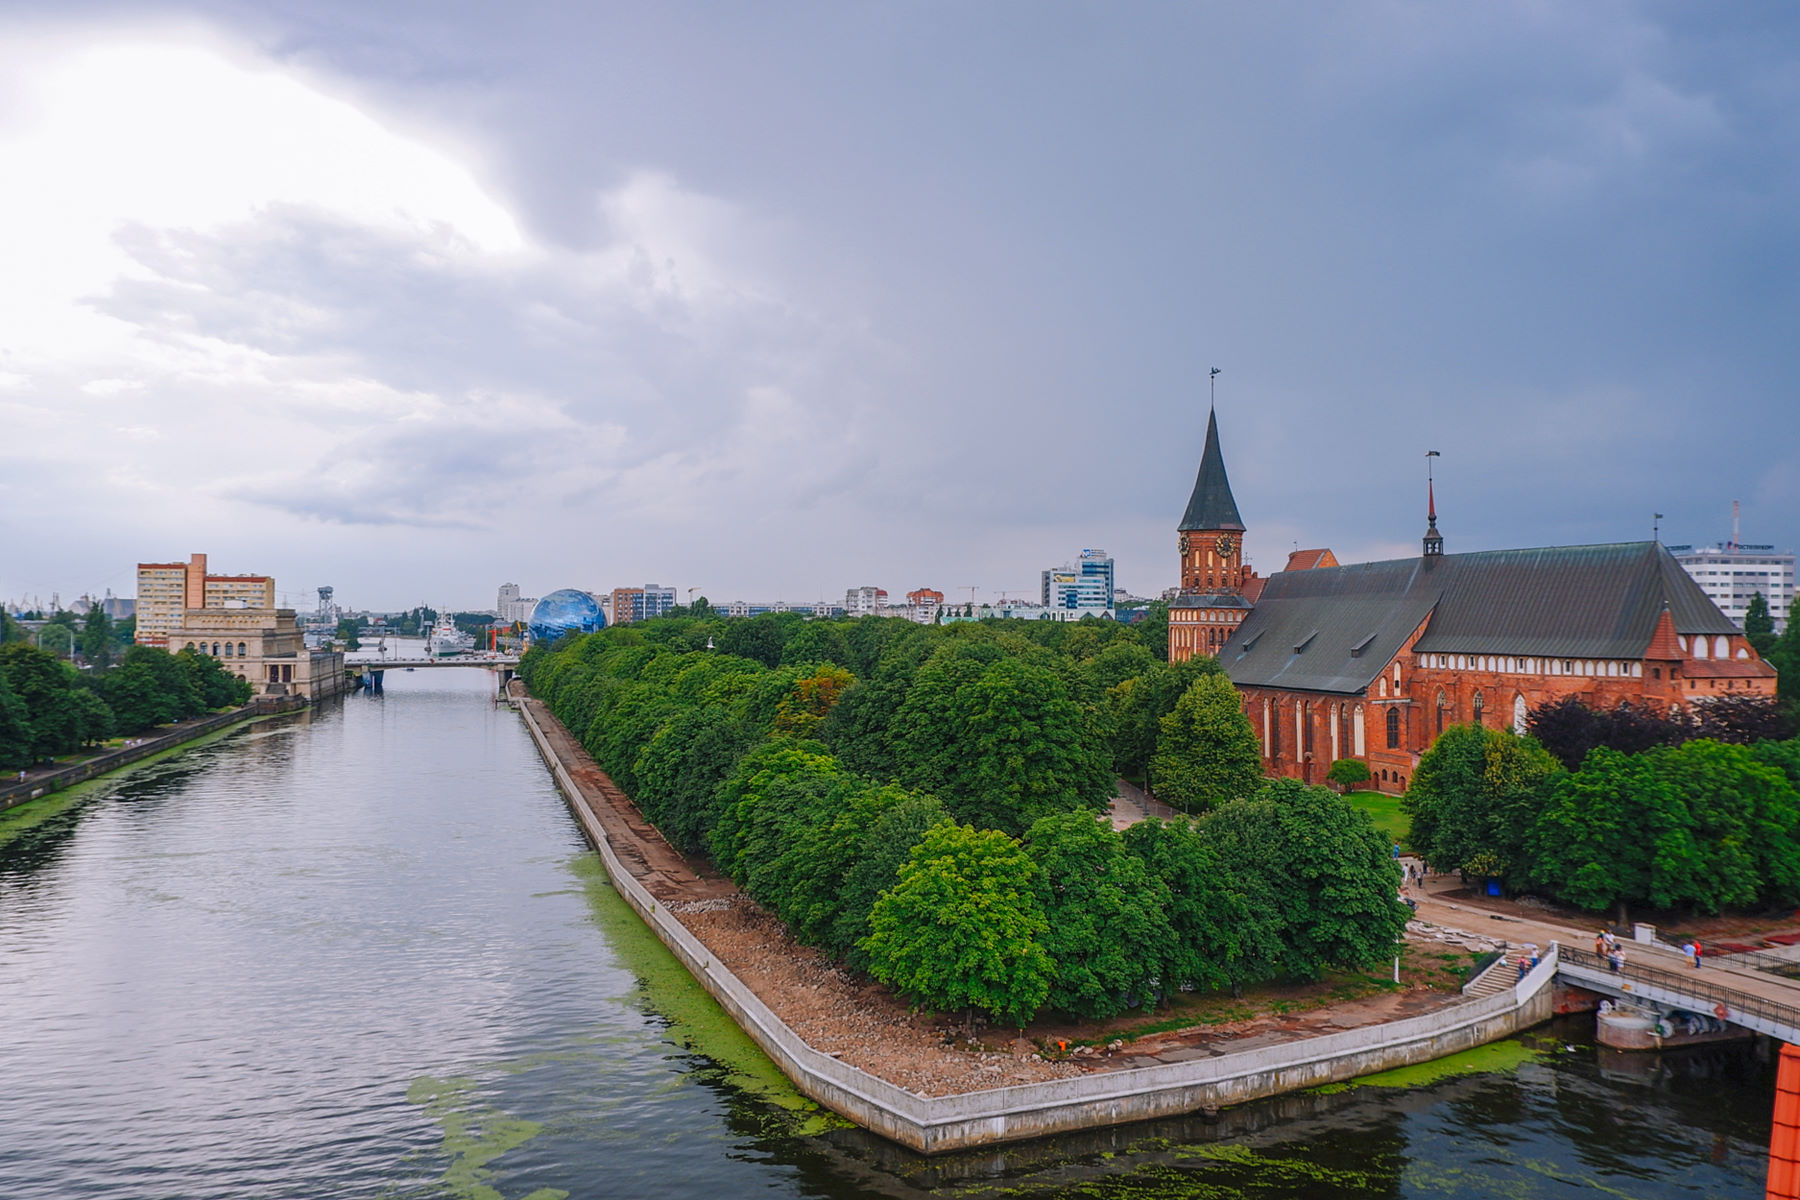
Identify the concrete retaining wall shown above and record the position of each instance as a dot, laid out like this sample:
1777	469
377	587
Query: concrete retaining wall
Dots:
935	1124
112	760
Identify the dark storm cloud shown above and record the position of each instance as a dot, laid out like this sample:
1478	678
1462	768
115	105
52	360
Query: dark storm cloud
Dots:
961	272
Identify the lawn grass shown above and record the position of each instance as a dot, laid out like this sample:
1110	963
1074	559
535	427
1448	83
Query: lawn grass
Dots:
1385	810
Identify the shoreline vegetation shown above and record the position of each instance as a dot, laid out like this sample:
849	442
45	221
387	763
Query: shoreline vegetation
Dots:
1289	1051
924	805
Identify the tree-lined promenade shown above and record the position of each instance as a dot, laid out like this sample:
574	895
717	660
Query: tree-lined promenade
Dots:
924	803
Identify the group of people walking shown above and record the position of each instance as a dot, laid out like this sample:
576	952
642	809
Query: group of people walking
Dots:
1607	946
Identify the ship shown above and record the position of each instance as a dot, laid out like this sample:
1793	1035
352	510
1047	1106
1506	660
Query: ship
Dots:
446	638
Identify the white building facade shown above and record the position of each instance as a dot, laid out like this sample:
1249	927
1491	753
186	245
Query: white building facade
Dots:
1731	573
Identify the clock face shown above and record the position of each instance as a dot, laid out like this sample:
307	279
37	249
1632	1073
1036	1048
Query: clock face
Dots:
1184	543
1225	544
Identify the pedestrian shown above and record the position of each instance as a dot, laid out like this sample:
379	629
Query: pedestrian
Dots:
1524	967
1687	948
1616	960
1396	849
1600	944
1696	954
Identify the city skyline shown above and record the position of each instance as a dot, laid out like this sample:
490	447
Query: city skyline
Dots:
414	301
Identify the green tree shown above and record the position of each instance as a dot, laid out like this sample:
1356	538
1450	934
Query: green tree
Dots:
347	630
825	854
56	638
1001	744
1218	940
861	727
213	685
96	637
1108	929
1153	630
137	700
680	769
1603	831
1475	798
760	638
816	642
93	719
1348	772
962	928
1135	708
777	790
1317	870
1207	754
46	687
1759	625
1785	655
1744	816
885	848
16	737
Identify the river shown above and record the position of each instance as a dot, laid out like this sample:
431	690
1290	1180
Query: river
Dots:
365	952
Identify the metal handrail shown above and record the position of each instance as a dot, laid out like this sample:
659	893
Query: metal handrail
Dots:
1756	960
1688	987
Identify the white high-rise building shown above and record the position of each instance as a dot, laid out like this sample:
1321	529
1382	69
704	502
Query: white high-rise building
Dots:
510	607
1732	572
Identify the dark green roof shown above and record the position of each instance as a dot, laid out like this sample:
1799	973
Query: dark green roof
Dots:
1211	505
1333	629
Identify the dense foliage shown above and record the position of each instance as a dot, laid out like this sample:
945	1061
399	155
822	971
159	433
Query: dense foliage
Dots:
925	802
1680	821
48	708
1569	729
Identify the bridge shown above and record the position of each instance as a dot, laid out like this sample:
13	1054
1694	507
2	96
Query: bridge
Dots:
1734	991
365	670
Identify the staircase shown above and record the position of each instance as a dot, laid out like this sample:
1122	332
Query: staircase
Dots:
1498	976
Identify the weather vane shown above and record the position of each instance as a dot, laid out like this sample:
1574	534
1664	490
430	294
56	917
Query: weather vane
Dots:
1212	382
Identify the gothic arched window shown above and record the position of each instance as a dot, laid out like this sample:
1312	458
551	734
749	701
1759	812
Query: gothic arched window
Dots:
1393	724
1477	707
1519	714
1443	703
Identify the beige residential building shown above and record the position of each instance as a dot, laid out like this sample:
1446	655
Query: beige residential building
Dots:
167	590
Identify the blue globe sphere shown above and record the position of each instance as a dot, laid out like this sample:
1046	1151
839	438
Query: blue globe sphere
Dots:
566	610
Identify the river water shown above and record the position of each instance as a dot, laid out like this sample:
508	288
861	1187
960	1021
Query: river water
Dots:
365	952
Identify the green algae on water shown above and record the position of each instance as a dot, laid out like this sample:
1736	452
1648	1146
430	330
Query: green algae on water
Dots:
696	1022
474	1135
1492	1058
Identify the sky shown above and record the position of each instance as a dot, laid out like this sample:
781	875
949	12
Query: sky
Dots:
772	300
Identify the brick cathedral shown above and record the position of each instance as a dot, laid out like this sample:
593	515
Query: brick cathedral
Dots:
1373	660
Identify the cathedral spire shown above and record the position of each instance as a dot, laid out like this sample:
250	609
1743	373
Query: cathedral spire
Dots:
1434	541
1211	506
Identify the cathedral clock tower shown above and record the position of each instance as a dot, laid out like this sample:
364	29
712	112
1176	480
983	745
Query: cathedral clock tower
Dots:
1213	575
1211	533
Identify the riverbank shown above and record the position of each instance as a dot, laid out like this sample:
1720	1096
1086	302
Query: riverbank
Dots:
894	1073
37	785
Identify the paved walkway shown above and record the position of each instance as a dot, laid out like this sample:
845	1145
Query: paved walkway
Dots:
1441	910
1131	804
